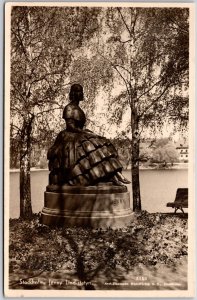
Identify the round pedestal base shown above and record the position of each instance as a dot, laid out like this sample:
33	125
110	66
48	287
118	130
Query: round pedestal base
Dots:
94	206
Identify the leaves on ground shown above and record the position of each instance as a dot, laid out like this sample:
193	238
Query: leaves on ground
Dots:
87	255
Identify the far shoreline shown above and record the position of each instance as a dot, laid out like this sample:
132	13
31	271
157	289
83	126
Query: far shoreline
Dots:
175	167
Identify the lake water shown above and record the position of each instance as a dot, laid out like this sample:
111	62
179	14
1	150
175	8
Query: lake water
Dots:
157	188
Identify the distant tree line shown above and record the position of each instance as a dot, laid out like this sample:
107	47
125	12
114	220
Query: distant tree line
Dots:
161	151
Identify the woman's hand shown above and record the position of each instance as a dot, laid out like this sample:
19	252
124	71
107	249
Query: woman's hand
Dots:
90	133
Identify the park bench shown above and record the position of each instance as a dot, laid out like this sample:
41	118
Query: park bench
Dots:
181	200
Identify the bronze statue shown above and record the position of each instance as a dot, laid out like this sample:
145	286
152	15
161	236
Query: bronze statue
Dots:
80	157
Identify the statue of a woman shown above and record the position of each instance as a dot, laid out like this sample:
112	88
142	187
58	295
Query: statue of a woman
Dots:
78	156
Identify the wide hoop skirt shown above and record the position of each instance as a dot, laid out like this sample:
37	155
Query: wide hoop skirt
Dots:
82	159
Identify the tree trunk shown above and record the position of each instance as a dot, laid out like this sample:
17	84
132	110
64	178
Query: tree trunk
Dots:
135	175
25	184
135	143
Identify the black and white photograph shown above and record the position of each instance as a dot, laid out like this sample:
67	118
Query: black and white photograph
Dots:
99	149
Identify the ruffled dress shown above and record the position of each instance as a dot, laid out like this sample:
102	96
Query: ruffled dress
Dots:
79	158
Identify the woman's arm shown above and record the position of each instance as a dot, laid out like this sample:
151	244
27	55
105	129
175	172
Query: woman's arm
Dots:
54	148
71	126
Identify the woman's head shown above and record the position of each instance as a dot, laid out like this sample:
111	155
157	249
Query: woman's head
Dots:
76	92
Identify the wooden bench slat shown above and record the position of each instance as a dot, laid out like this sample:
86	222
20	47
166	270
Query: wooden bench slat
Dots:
181	199
172	204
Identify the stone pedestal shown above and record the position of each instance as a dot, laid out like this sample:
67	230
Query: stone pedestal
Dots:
101	206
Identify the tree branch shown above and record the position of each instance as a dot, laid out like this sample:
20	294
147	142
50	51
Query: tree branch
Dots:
148	90
178	25
127	27
114	66
16	127
15	88
21	43
154	101
48	110
45	76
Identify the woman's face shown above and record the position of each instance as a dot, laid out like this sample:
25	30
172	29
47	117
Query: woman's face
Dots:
78	93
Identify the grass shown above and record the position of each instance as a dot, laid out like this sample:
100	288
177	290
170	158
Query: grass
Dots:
151	253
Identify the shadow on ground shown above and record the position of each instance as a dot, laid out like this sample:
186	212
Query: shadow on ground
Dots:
151	253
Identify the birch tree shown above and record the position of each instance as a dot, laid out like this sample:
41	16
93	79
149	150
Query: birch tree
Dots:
43	40
148	50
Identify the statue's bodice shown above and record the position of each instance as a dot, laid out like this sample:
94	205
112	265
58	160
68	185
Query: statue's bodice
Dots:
74	112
